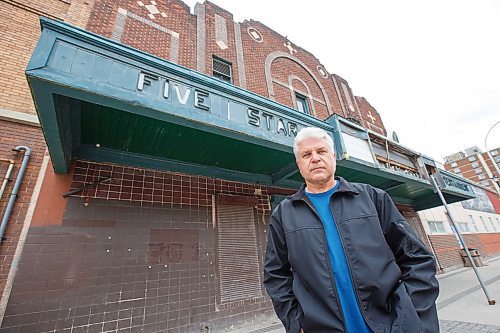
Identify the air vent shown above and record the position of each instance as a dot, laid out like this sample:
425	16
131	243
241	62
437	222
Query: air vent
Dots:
222	69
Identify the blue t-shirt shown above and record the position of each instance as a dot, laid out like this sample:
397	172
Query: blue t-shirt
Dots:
354	321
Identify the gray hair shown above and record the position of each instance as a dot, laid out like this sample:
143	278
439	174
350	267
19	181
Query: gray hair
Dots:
311	132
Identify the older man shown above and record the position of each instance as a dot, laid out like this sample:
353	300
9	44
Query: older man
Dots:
341	258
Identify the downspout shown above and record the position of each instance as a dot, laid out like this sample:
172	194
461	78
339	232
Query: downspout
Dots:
7	175
15	190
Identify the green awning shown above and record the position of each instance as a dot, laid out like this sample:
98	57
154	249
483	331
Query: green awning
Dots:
103	101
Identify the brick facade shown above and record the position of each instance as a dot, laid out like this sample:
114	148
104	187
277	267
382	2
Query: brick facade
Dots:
371	118
19	33
447	248
487	243
479	167
447	251
100	259
19	135
268	65
495	201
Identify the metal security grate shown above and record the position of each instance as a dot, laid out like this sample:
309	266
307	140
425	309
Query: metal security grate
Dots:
222	70
239	273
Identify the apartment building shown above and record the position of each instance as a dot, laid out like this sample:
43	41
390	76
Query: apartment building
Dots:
476	165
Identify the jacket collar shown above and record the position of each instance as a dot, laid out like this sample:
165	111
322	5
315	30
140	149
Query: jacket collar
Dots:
344	187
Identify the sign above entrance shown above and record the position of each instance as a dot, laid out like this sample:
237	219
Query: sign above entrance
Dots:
103	101
182	95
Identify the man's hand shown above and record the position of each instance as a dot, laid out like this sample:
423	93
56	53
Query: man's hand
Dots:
301	330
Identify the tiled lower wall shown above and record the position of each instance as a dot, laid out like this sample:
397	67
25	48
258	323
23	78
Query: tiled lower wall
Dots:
137	254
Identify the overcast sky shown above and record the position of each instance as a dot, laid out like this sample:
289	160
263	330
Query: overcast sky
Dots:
430	68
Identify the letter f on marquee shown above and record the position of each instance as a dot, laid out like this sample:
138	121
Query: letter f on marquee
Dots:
145	79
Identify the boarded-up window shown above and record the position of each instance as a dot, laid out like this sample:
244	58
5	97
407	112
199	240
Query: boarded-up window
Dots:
239	272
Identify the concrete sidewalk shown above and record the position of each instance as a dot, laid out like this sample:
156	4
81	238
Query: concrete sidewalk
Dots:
461	299
462	304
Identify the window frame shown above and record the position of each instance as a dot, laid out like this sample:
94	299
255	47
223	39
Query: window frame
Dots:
463	227
219	75
434	229
484	224
492	224
304	101
474	225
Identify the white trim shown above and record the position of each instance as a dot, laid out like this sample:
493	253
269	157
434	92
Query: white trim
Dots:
19	117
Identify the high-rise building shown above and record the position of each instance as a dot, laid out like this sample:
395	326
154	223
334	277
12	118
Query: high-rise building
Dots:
476	165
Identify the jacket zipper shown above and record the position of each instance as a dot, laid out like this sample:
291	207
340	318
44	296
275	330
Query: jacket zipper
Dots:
350	271
330	271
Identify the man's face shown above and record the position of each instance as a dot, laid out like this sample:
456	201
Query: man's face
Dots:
316	161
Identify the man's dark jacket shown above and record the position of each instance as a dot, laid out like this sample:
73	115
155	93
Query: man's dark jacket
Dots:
393	273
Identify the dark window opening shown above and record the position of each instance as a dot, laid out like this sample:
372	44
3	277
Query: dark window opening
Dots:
302	103
222	69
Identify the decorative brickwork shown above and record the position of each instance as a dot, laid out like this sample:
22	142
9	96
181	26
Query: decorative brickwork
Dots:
144	33
371	118
273	66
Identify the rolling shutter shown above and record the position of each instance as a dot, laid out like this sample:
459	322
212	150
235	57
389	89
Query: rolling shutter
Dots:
239	270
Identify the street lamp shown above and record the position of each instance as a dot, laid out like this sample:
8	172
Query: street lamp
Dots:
493	162
486	137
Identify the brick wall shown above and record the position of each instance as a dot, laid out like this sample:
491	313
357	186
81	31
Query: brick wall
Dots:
447	251
211	47
149	38
495	200
11	136
19	33
78	12
371	118
101	16
291	63
487	243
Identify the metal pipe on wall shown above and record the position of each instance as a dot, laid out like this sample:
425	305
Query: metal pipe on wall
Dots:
7	175
15	190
